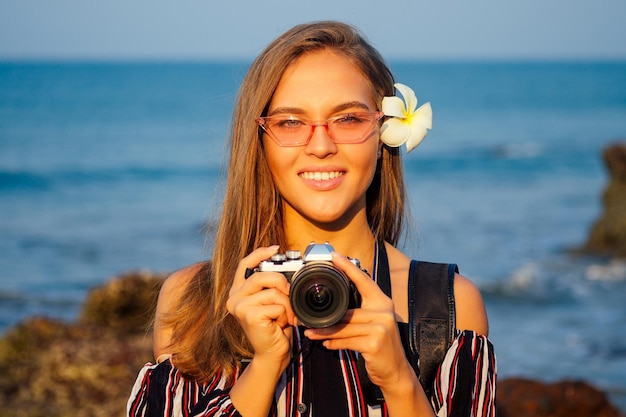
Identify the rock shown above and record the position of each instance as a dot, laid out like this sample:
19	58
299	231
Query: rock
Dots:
526	398
608	234
51	368
125	304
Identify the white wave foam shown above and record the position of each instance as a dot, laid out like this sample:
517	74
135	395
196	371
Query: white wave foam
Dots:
614	271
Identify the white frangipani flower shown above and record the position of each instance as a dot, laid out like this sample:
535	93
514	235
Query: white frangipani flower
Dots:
406	123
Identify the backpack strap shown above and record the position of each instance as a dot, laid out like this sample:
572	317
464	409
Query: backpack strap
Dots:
431	316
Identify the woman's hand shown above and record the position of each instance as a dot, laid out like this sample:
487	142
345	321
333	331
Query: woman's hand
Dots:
370	330
261	305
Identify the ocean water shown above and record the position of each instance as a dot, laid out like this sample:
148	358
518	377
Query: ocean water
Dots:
112	167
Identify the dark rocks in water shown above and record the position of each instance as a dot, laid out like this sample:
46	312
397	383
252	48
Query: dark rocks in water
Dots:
608	234
518	397
51	368
125	304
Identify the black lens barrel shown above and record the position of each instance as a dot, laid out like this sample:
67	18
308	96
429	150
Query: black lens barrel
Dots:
320	294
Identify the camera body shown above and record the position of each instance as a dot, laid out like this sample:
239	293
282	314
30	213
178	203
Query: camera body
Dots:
320	294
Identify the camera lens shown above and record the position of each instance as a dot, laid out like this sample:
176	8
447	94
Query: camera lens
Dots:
319	297
319	294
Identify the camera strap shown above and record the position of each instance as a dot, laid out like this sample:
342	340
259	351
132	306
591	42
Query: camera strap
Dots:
431	317
380	275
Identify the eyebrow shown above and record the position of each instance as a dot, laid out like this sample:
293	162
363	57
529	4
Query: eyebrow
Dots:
338	108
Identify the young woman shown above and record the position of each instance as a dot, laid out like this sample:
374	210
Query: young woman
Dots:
307	164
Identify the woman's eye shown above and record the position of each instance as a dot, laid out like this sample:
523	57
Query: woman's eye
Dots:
288	124
349	119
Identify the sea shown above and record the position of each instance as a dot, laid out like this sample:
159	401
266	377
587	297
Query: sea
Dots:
114	167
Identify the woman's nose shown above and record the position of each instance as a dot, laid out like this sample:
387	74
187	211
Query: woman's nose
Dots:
320	145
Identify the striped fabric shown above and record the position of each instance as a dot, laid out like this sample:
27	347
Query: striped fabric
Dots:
464	386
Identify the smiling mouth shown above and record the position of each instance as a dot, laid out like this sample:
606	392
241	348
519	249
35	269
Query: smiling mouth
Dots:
321	176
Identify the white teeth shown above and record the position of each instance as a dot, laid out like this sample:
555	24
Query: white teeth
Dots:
321	176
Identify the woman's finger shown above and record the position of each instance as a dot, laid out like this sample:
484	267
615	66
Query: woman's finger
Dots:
252	261
357	323
261	281
265	288
367	287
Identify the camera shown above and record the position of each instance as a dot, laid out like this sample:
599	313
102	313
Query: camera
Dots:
320	294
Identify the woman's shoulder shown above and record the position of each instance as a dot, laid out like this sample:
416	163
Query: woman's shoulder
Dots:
178	281
170	296
176	285
470	307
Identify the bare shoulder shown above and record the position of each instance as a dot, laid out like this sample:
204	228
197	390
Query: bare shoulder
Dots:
470	308
177	282
171	292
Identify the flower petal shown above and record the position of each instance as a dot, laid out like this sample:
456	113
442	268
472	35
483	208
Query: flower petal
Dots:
393	106
421	122
394	133
409	96
424	116
416	135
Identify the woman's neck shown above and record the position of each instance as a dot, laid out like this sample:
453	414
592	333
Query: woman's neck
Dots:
355	239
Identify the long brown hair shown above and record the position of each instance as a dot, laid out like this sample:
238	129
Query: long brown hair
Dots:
211	341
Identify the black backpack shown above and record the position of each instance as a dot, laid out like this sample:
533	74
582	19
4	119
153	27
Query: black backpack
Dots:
431	319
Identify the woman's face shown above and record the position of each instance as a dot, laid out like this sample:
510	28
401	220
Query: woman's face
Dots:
323	182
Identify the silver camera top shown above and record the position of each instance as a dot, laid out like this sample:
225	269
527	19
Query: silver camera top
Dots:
313	252
290	261
318	252
323	252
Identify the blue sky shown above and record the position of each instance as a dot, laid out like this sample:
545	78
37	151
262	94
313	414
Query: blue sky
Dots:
208	29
